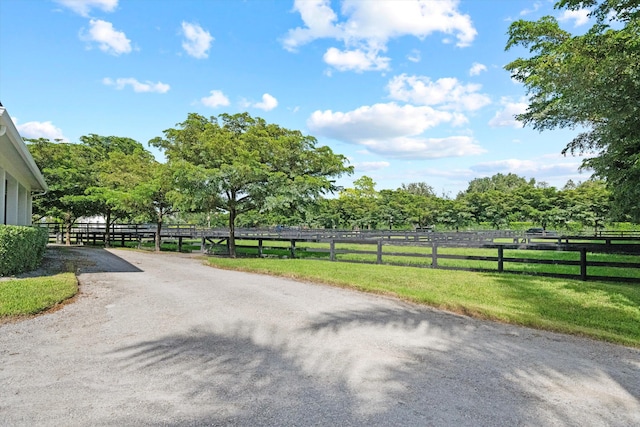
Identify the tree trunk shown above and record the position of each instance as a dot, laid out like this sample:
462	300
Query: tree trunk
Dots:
232	233
158	230
67	232
67	229
107	231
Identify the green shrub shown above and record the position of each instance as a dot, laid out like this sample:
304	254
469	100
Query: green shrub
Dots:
622	226
21	248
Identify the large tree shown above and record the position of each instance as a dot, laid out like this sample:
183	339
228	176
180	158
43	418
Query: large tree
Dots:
141	186
239	164
111	165
590	81
360	206
69	172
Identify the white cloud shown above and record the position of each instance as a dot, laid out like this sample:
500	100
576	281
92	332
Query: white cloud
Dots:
448	93
268	103
535	8
109	40
368	26
34	130
137	86
579	17
477	68
393	130
379	120
370	166
542	168
216	99
414	56
197	40
506	116
355	60
83	7
319	19
425	148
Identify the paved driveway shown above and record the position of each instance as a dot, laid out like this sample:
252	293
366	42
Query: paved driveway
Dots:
165	340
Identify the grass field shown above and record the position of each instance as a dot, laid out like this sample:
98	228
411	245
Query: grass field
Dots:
605	311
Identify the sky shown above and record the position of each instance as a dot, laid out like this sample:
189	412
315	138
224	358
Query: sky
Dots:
408	90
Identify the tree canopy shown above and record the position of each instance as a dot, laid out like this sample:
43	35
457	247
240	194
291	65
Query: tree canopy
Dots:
590	81
68	171
246	172
241	164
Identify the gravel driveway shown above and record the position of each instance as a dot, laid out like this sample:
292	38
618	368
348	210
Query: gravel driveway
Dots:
164	340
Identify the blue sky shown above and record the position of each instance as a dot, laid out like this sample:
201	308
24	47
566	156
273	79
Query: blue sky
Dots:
408	90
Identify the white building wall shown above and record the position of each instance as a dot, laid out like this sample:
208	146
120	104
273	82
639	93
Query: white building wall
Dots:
3	192
29	209
23	205
12	201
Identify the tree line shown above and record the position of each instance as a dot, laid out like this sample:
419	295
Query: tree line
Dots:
498	202
237	170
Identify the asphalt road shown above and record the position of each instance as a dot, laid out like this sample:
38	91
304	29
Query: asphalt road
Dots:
165	340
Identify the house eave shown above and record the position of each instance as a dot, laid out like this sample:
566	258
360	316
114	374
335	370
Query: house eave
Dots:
11	134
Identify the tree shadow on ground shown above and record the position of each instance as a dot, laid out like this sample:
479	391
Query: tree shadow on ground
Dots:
229	379
424	368
496	364
79	260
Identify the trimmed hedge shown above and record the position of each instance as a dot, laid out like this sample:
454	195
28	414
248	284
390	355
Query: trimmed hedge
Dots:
21	248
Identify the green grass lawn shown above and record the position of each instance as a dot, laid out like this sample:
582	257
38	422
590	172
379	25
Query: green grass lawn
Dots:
19	297
605	311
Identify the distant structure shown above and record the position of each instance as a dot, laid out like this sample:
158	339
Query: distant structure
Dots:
20	177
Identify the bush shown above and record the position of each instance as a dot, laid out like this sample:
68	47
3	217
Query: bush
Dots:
21	248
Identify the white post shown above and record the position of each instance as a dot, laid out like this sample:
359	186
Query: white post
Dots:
12	201
3	193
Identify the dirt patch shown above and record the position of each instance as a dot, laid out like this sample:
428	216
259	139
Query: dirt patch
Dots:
57	259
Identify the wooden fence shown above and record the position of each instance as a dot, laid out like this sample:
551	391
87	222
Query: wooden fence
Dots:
432	256
498	240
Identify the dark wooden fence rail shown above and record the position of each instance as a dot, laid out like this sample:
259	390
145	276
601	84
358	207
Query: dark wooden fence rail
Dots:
95	232
499	258
602	243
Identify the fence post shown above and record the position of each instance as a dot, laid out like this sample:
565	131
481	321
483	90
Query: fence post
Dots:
379	260
434	254
332	250
293	248
500	259
260	248
583	264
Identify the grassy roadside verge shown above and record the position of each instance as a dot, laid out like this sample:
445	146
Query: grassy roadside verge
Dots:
22	297
604	311
42	289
